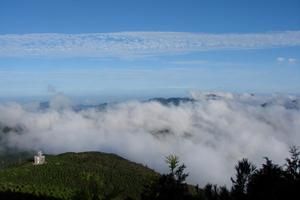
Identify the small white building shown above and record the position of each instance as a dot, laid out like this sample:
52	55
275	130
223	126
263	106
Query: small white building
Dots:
39	159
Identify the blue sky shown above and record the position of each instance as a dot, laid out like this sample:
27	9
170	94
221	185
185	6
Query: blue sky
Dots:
139	48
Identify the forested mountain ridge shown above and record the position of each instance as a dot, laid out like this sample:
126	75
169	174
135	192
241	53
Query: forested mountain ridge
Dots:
78	175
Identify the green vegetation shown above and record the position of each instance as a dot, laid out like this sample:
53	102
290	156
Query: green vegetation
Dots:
171	185
10	157
95	176
89	175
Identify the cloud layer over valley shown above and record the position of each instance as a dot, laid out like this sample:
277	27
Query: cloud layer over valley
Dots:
209	133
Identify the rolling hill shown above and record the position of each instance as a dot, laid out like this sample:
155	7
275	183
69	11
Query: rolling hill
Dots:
87	175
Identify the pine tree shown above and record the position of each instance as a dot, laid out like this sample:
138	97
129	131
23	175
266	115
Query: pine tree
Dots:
244	170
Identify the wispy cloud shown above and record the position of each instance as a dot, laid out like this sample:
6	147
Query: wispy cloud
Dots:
292	60
286	60
280	59
135	44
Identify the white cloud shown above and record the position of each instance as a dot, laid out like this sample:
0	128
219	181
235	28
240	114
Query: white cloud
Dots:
209	136
280	59
292	60
134	44
286	60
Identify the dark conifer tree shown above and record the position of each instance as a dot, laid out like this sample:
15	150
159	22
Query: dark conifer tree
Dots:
224	194
169	186
244	170
267	182
292	174
210	192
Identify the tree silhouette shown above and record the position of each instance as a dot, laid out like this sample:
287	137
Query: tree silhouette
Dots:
292	173
244	171
224	194
271	181
171	185
211	192
293	164
267	182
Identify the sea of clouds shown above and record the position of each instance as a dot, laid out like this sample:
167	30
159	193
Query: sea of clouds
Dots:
209	135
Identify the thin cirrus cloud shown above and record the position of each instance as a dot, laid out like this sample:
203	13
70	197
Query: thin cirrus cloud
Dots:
137	44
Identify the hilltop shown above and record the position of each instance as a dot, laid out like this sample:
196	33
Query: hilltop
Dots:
79	175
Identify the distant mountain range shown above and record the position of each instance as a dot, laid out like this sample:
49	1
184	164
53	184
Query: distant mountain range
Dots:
288	104
102	106
79	107
176	101
172	101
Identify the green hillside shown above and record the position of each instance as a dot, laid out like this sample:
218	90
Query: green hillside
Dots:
77	176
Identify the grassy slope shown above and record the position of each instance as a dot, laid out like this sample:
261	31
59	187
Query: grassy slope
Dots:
66	174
